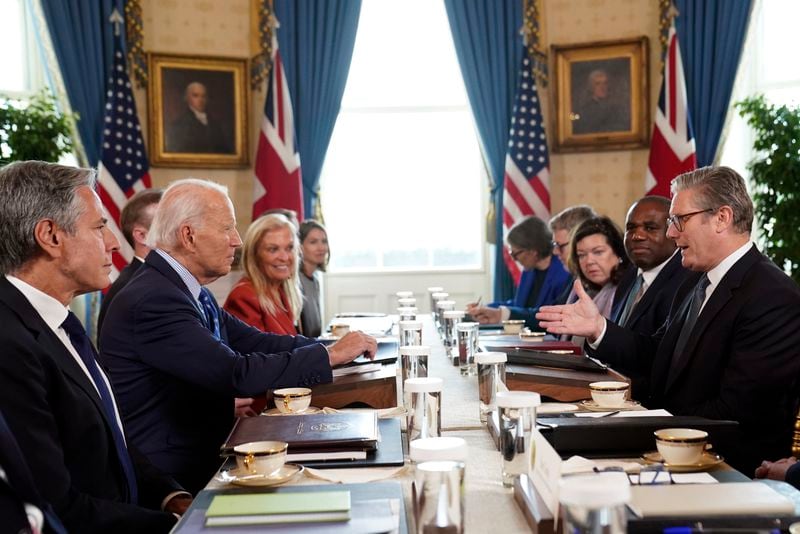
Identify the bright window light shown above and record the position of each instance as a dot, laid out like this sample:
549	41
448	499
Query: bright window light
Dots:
402	182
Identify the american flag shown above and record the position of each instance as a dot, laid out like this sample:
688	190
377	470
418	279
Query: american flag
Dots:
123	166
526	189
672	150
278	180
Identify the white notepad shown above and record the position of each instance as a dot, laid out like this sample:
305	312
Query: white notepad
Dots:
709	500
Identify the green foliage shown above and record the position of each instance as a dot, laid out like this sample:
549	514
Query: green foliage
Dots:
33	130
775	175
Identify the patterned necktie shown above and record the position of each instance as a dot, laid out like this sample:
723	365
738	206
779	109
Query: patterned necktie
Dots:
210	311
634	296
698	297
77	335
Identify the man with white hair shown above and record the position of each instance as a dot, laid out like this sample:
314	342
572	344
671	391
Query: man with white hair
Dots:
177	360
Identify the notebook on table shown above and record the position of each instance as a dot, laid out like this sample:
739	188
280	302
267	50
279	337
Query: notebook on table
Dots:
386	353
308	433
369	505
557	354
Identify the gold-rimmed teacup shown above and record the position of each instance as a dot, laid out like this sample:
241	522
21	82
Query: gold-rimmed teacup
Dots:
609	394
681	446
340	329
263	458
292	400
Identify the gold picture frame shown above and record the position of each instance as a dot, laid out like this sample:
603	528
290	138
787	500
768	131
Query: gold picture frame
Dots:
197	111
601	95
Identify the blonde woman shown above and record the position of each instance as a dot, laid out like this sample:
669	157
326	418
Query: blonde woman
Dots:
268	295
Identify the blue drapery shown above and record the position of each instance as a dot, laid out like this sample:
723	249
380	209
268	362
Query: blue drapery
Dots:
83	40
711	34
316	39
487	42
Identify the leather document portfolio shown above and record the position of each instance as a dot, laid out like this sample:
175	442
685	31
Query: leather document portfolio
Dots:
306	433
626	436
548	358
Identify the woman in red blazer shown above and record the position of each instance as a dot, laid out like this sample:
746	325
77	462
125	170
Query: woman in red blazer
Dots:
268	295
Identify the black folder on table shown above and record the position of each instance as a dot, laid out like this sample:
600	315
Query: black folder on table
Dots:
607	437
388	453
545	358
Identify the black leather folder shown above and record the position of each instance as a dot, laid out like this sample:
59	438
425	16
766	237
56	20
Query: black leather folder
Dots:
525	356
388	453
620	437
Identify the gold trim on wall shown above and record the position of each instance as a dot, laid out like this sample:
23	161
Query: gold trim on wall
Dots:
601	95
174	140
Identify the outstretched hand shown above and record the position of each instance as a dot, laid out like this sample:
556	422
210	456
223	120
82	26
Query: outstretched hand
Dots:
775	470
582	318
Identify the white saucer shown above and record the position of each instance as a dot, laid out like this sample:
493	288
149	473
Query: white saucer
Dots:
307	411
555	407
706	462
284	474
592	406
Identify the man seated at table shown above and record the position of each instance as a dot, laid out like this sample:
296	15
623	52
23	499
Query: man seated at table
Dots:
530	244
729	347
177	360
645	294
55	398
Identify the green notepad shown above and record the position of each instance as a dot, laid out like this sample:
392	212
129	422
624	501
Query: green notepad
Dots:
268	508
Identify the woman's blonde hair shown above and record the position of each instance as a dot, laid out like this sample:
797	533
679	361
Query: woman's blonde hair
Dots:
267	290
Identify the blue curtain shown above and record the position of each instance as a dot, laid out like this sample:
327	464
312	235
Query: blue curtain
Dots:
711	35
83	40
316	39
488	46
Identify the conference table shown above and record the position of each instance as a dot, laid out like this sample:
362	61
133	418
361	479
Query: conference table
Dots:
489	507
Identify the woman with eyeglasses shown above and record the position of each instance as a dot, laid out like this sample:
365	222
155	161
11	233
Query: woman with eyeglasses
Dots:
598	257
542	280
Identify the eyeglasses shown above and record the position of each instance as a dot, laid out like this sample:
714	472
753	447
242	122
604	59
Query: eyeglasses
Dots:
560	246
647	475
679	219
515	253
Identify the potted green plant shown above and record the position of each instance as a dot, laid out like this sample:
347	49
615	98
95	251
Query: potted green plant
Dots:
33	129
775	178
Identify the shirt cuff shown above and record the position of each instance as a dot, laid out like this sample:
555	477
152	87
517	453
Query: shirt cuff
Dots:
171	496
599	339
505	313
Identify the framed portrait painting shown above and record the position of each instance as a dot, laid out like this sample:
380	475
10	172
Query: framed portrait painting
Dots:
601	95
197	113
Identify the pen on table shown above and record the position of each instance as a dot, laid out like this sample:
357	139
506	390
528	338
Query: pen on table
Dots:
609	414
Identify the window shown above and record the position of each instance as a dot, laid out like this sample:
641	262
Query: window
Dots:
21	74
402	182
769	66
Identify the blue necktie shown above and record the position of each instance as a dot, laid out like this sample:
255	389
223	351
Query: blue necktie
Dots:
77	335
210	312
634	295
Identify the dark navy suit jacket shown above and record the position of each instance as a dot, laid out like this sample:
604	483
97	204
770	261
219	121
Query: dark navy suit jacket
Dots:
54	411
740	362
122	280
556	279
176	382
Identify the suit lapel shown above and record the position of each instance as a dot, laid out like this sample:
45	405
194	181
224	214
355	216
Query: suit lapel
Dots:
649	296
49	342
719	298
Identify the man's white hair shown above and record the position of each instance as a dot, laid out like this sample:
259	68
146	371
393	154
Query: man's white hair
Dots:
181	204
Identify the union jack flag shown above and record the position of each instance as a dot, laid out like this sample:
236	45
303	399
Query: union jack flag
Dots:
123	166
526	184
672	149
278	180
